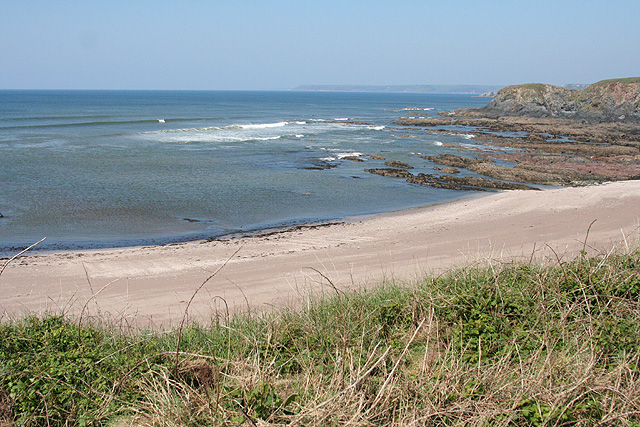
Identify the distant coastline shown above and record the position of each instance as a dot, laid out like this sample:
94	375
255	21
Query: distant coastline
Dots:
479	90
452	89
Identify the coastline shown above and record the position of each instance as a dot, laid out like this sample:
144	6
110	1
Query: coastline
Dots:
151	285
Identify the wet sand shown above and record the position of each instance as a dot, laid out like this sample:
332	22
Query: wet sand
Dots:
151	286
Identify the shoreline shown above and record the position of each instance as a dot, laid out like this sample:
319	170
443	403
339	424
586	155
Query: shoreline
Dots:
150	285
41	249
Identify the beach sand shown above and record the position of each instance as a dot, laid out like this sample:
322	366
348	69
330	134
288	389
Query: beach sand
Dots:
151	286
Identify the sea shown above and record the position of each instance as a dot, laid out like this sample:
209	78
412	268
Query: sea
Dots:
98	169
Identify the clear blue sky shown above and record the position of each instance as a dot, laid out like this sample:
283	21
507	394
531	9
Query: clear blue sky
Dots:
216	44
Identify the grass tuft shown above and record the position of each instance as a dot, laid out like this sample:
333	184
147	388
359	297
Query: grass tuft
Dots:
518	344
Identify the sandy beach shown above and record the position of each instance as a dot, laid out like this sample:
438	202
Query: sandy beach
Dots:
151	286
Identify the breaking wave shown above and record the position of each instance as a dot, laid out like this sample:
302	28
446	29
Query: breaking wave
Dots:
264	125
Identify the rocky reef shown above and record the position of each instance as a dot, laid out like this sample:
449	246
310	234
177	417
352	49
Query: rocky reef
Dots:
539	150
449	182
541	134
616	100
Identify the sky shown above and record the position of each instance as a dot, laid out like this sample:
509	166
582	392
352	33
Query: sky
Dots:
278	45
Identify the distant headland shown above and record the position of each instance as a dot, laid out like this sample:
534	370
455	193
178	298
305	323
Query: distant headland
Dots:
453	89
614	100
479	90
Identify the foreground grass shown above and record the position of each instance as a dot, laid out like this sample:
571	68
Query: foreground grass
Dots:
510	345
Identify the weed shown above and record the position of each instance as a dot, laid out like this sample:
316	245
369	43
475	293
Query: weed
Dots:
512	345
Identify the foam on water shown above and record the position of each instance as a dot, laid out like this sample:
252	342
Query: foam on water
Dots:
264	125
98	168
249	132
349	154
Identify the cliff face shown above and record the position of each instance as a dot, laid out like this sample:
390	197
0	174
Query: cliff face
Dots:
606	101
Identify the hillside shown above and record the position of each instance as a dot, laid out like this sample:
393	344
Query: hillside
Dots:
616	100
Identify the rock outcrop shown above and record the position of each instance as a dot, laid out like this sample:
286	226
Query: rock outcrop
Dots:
398	164
475	183
616	100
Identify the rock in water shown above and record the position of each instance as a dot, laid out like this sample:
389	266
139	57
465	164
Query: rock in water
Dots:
392	172
398	164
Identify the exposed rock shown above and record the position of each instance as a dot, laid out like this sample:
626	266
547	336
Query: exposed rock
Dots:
392	172
548	134
538	174
353	158
450	182
321	165
348	122
466	182
376	157
431	181
616	100
454	161
398	164
547	150
448	170
619	134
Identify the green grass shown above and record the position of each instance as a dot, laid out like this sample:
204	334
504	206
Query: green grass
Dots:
623	80
534	86
514	344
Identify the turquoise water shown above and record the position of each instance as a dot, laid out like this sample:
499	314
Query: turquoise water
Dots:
112	168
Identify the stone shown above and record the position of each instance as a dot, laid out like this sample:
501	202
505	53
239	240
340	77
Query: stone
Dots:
398	164
392	172
353	158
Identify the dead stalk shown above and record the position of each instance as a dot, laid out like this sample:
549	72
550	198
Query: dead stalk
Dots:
20	253
186	310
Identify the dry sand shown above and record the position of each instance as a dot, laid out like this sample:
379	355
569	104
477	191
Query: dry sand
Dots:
152	285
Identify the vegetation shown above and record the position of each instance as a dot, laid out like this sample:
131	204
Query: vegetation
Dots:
623	80
513	344
538	87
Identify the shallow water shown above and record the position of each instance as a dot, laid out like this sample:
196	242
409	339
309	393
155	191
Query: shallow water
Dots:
112	168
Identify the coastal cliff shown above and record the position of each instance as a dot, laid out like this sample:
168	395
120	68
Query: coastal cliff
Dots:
616	100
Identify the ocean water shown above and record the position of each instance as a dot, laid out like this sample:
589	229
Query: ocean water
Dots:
112	168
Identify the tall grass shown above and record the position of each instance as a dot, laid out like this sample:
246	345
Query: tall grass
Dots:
514	344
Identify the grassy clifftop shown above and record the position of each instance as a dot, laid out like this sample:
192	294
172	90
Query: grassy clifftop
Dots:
615	100
507	345
623	80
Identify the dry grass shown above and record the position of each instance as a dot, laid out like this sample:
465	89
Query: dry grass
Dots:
506	345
